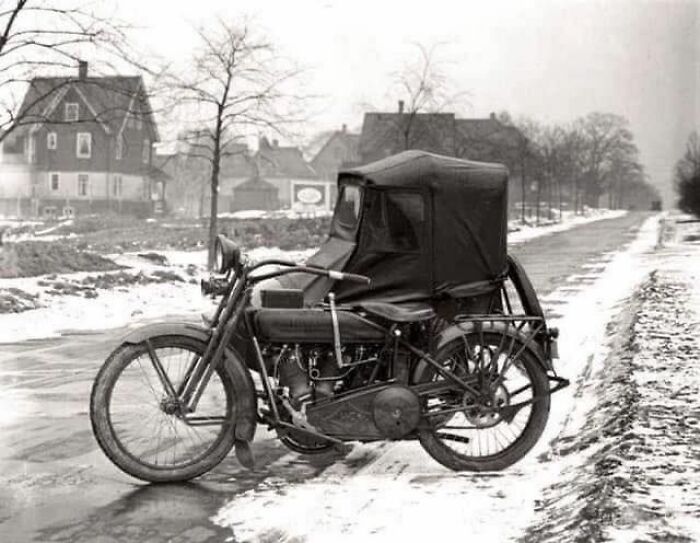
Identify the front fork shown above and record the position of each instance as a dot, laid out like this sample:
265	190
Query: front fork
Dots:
200	370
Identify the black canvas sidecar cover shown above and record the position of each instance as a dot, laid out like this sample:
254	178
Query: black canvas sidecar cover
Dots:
422	226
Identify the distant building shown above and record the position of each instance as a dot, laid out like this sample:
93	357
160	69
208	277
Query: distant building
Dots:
385	134
84	146
487	140
484	140
297	183
341	149
273	177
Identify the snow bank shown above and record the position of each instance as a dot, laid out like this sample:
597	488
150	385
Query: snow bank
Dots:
569	220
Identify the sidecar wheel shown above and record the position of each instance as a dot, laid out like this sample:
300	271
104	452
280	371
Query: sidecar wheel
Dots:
470	437
137	425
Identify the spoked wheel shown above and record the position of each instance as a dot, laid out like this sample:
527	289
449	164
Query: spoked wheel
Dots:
496	427
144	429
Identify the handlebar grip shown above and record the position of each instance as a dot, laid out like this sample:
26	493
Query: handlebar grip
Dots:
342	276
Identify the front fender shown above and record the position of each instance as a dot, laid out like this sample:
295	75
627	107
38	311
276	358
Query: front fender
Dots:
243	386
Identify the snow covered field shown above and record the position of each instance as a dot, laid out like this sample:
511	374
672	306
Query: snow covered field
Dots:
400	494
134	305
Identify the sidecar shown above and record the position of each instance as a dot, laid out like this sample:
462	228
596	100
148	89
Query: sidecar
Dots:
429	230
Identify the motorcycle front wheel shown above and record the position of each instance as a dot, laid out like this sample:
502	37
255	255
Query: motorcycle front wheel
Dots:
143	430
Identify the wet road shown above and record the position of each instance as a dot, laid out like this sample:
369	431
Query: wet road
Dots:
55	485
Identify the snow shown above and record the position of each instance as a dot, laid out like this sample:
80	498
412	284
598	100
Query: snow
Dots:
395	496
524	233
115	308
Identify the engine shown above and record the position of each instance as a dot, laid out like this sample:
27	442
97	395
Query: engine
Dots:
312	373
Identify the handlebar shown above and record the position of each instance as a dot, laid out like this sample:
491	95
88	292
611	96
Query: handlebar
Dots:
291	267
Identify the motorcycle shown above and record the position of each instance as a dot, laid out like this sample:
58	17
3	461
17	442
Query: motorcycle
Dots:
410	323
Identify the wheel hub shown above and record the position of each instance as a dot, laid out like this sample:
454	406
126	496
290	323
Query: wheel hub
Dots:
170	406
483	412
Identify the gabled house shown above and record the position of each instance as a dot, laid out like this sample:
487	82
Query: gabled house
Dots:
85	146
385	134
298	184
341	149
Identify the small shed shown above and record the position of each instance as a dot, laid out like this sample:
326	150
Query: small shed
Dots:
255	193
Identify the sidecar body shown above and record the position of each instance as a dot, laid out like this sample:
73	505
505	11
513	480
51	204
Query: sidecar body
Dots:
425	228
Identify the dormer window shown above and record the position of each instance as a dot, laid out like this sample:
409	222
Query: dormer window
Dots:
71	112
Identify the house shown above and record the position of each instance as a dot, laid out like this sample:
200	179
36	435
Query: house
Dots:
483	139
84	145
341	149
385	134
298	184
189	169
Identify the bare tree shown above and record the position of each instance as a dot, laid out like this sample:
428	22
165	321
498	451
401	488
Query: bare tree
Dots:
423	87
39	38
234	86
605	134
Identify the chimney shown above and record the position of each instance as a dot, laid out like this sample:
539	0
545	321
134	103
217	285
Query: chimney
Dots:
275	143
400	106
345	128
492	116
82	69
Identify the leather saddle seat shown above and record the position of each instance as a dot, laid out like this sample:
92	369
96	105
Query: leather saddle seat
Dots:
313	326
409	312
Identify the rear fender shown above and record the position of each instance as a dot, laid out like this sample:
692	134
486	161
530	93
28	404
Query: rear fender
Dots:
500	327
244	388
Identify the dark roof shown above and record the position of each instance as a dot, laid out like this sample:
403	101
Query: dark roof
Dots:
384	134
278	161
349	141
487	129
109	98
255	184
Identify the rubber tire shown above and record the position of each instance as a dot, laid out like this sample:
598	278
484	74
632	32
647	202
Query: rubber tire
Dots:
104	433
521	446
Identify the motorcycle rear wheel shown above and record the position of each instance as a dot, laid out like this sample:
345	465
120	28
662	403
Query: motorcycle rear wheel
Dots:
485	442
131	418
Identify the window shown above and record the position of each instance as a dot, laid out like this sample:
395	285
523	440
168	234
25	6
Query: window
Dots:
83	184
117	186
348	206
51	140
49	211
393	221
146	151
54	181
119	148
71	112
83	145
68	212
31	149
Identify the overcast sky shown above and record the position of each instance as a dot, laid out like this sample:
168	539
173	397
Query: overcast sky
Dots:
550	60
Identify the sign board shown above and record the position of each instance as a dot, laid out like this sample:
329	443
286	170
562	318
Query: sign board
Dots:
311	196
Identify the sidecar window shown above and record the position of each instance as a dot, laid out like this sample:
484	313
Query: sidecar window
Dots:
348	209
394	222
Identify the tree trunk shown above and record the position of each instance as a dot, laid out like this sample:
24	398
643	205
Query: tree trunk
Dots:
214	208
522	187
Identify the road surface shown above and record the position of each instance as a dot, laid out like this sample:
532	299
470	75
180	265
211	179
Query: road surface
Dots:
55	485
